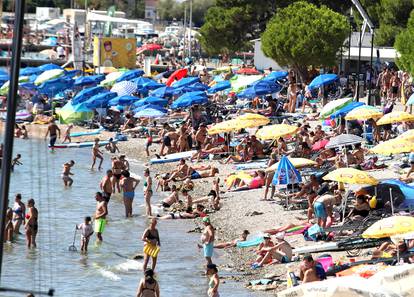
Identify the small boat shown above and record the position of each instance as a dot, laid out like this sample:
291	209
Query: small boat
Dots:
87	133
173	157
81	144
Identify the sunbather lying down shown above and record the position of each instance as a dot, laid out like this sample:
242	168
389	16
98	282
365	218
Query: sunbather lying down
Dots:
289	228
254	181
233	243
388	250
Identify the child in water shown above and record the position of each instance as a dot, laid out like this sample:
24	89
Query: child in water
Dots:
86	232
16	161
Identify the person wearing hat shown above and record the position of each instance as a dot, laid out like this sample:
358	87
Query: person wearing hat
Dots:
207	238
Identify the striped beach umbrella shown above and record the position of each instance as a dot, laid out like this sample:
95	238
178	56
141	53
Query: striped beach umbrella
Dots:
124	88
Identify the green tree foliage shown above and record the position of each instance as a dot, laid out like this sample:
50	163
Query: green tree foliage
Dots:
404	43
295	39
170	10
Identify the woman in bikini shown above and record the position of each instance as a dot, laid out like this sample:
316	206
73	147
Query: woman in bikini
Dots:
148	287
117	167
31	225
19	210
148	191
128	185
151	237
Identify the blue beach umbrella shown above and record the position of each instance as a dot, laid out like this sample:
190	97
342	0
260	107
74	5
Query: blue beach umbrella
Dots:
286	173
140	81
27	71
99	100
54	86
347	108
152	85
276	75
130	75
259	89
190	99
149	113
151	100
46	67
90	80
72	73
85	94
3	79
162	92
323	80
220	86
151	106
186	81
123	100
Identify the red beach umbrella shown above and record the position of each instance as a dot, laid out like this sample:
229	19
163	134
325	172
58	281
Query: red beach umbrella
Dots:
177	75
320	145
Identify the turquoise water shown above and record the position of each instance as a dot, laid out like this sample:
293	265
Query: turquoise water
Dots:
101	272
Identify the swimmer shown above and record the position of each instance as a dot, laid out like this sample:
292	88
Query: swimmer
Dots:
67	134
16	161
96	154
66	173
112	147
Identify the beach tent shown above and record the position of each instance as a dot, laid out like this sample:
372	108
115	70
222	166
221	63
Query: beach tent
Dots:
85	94
163	92
130	75
100	100
69	113
151	100
323	80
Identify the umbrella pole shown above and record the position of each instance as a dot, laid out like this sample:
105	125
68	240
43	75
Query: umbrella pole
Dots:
392	202
344	203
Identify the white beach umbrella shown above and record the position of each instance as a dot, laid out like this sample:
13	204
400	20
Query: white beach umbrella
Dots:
399	279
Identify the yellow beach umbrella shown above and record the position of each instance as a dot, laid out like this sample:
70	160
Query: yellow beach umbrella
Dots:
407	135
395	117
389	227
364	113
251	120
241	175
276	131
393	146
351	176
222	127
297	162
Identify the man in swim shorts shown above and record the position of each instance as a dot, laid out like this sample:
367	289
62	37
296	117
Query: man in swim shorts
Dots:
100	215
106	185
207	238
52	130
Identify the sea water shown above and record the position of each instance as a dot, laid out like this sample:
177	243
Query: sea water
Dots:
107	269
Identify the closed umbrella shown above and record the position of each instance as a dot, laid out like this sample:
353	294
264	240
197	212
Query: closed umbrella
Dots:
149	113
151	100
323	80
344	140
276	131
390	226
130	75
333	106
364	113
351	176
395	117
124	88
85	94
49	75
399	279
162	92
393	146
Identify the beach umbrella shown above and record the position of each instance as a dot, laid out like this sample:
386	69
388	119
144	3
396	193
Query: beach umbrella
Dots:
346	109
151	100
111	78
247	71
410	100
187	81
351	176
251	120
395	117
149	113
323	80
163	92
320	145
220	86
364	113
69	113
100	100
198	86
30	71
72	73
399	279
407	135
347	286
55	86
333	106
90	80
286	173
393	146
390	226
296	162
240	82
49	75
276	131
47	67
124	88
190	99
85	94
140	81
125	100
176	76
344	140
259	89
4	78
149	47
151	106
130	75
276	75
223	127
152	85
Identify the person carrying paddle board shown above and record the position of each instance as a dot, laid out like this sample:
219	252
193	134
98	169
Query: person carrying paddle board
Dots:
152	244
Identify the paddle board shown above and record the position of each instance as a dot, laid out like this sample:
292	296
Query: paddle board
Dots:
254	165
173	157
316	248
250	243
81	144
87	133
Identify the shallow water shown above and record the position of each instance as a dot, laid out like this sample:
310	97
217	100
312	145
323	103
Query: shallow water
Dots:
105	271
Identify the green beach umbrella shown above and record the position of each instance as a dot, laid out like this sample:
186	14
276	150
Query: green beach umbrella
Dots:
49	75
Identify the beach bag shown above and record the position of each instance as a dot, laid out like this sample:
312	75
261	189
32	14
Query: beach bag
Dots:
314	233
151	250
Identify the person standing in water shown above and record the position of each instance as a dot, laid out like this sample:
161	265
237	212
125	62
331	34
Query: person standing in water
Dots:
100	215
148	286
19	212
207	238
53	131
128	185
148	191
106	185
31	225
66	173
8	229
96	154
214	282
151	238
117	168
67	134
86	232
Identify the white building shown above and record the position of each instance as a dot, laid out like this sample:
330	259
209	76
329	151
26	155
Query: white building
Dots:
262	62
47	13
